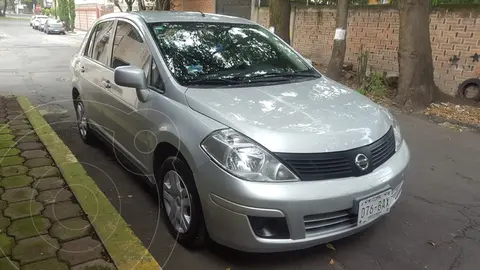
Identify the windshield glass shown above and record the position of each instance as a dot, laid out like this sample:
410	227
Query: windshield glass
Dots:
216	51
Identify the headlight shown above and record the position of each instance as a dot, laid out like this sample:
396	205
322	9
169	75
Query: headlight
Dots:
245	159
396	128
398	134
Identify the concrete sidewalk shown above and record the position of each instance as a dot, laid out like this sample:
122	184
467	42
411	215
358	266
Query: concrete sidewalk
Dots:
42	224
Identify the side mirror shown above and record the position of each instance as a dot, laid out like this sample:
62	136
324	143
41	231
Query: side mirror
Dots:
309	61
130	76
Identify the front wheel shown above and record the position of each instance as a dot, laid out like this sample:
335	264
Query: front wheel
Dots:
180	203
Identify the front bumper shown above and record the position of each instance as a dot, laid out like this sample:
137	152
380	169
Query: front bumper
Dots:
228	202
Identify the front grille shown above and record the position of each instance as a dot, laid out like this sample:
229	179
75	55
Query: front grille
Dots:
329	222
322	166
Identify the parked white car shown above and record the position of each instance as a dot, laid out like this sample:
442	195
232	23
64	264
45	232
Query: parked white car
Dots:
34	17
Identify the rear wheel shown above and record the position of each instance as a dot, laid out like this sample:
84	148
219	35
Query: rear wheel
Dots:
180	203
86	133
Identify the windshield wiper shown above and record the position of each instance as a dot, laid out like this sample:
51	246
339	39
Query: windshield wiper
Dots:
212	81
280	76
284	74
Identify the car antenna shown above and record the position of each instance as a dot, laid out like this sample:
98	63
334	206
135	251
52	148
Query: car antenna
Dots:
203	14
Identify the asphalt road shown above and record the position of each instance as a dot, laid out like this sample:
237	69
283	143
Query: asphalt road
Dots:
435	224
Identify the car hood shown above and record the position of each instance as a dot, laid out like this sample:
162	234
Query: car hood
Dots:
311	116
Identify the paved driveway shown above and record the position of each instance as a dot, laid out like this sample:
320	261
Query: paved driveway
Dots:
435	225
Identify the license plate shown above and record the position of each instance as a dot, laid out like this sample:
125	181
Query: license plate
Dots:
373	207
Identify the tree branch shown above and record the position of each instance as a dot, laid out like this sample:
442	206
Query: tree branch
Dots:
115	2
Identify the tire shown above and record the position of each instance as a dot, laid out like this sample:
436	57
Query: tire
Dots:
195	235
84	130
461	92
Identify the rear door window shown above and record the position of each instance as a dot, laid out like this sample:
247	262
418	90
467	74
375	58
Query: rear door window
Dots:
129	48
100	42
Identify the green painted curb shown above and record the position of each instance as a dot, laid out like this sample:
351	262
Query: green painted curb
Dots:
123	246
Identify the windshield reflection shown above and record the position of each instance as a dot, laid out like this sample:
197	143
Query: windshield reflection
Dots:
219	53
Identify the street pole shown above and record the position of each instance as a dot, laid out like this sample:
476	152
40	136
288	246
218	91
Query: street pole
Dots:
55	4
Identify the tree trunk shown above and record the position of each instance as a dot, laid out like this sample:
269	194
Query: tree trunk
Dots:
166	4
280	18
4	8
416	87
129	5
115	2
141	5
334	70
162	4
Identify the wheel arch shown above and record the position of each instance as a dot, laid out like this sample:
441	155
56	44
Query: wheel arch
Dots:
166	149
75	93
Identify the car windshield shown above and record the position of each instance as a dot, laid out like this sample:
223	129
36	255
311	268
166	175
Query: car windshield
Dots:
220	53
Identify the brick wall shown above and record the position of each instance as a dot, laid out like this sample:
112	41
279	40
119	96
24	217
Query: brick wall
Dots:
376	29
177	4
199	5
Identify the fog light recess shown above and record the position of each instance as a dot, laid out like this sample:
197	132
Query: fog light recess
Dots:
270	228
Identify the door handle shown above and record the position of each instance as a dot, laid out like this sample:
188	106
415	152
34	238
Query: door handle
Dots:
82	69
106	84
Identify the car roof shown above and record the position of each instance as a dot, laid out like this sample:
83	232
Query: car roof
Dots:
178	16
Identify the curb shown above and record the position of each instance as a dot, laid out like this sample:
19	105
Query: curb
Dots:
123	246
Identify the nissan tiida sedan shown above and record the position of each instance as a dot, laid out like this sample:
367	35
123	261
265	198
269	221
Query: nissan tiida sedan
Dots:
246	143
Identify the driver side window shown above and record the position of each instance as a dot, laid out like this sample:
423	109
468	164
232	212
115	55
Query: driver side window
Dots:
129	48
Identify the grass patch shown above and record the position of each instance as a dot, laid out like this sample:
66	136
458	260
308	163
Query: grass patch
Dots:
375	85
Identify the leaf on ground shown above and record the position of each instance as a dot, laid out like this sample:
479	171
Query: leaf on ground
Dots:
461	113
330	246
432	243
331	262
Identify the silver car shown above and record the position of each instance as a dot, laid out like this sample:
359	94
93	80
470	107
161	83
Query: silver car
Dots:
41	24
247	144
54	26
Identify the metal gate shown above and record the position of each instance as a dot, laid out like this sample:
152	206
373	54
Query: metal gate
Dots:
239	8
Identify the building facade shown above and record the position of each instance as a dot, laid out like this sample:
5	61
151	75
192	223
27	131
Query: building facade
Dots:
87	11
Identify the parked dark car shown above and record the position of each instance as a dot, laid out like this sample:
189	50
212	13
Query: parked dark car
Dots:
54	26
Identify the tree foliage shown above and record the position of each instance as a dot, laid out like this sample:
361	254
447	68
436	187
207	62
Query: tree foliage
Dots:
71	10
365	2
66	12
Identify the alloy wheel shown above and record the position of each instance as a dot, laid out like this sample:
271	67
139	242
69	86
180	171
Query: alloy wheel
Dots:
81	120
177	201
